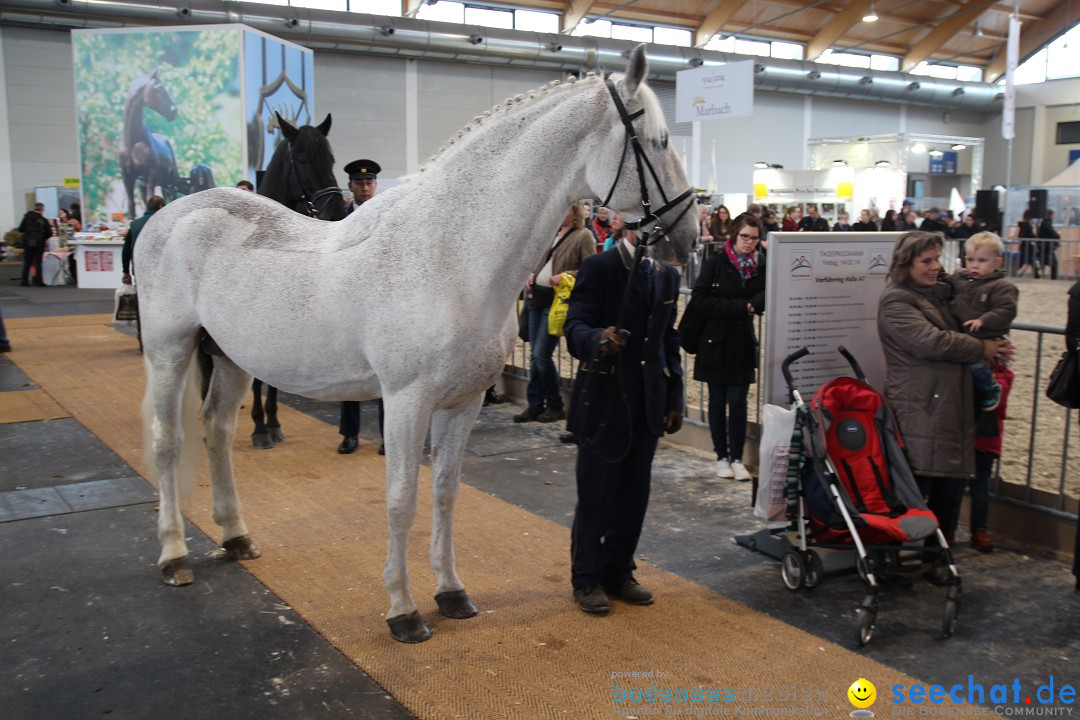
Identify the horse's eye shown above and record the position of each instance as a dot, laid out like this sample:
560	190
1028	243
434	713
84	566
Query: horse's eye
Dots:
663	141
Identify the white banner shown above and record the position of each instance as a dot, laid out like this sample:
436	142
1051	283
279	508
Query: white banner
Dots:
823	291
1012	55
714	92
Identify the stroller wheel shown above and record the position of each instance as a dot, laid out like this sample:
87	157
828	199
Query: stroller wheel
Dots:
948	626
865	619
792	570
815	570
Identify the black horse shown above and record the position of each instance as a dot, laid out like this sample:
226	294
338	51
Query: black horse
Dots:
146	155
300	176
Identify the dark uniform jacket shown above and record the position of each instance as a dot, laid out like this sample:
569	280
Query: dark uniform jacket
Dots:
649	367
727	352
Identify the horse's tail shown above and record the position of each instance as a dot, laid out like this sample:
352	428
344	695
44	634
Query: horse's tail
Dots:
187	466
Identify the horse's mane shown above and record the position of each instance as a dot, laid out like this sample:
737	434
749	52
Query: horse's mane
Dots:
653	125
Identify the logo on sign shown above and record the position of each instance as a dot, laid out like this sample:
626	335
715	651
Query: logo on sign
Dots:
878	265
800	267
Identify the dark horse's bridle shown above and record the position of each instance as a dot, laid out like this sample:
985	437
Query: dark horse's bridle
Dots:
602	365
311	200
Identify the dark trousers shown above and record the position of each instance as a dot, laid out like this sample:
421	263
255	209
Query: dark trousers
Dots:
727	419
32	257
943	498
543	389
612	499
349	424
980	490
5	344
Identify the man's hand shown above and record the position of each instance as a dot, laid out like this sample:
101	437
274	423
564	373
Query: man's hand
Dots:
529	282
126	279
974	325
998	351
611	342
672	422
555	280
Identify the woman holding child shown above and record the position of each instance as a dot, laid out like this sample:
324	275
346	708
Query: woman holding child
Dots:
927	381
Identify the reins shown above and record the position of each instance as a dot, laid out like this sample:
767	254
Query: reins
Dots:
309	199
597	365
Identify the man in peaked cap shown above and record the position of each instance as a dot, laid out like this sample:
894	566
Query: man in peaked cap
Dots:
363	180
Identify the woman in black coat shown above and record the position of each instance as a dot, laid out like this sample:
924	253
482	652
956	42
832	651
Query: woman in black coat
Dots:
730	291
1048	250
1028	251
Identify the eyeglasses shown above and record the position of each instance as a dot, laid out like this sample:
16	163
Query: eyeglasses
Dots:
744	236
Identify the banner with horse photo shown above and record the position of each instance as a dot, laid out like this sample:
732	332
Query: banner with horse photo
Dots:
169	111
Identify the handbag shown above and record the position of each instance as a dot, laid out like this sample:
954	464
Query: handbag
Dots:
560	305
126	305
691	328
1064	385
523	318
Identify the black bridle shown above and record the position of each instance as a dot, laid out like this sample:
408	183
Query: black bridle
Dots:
311	200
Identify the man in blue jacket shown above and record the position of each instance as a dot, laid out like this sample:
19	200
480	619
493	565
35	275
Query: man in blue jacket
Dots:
628	392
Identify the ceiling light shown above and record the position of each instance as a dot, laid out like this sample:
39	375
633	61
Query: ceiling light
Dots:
882	163
870	15
761	165
776	166
959	146
978	30
936	153
918	148
839	163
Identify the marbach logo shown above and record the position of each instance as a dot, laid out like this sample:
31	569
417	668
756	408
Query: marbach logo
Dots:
878	263
801	267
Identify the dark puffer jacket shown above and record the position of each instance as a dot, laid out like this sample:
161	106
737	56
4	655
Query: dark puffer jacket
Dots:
927	382
727	352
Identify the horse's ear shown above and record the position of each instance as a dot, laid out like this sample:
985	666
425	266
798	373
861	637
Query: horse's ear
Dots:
287	128
324	126
636	70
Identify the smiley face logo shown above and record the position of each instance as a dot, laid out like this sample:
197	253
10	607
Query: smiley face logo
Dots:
862	693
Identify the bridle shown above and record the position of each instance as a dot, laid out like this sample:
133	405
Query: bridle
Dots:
310	200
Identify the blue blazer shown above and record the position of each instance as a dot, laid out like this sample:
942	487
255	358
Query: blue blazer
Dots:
648	371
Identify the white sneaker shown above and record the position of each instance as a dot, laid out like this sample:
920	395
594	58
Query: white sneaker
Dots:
723	469
740	472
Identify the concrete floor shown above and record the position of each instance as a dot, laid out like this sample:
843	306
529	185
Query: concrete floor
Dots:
89	632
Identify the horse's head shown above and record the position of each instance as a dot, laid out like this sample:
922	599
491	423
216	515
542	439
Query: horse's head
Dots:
304	176
635	161
157	97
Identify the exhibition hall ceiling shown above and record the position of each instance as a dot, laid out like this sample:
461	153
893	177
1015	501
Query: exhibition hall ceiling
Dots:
954	31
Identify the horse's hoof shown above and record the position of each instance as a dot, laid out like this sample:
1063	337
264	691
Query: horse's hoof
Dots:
276	435
177	572
409	628
262	441
455	604
241	547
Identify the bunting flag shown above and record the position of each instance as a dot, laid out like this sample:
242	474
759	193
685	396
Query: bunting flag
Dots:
1012	53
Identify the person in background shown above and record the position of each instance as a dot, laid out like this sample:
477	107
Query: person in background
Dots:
246	185
154	204
76	211
933	222
1048	248
1072	340
1029	257
888	223
36	231
601	227
635	395
841	224
571	244
720	224
771	225
865	224
618	231
926	378
755	210
704	222
730	291
813	222
63	217
791	219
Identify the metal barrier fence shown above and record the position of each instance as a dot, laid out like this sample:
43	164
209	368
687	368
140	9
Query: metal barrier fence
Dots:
1035	467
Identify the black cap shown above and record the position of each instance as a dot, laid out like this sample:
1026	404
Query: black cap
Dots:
363	169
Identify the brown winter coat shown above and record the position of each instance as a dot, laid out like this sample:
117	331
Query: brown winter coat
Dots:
927	382
991	299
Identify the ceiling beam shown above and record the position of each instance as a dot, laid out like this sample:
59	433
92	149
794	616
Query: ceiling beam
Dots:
575	13
941	34
716	20
1034	35
836	28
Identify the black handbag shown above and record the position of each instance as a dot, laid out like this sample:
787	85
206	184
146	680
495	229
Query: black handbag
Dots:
1064	385
691	328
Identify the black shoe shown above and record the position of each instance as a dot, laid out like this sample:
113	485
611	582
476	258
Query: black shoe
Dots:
629	591
493	398
348	445
382	448
528	415
551	415
5	348
592	600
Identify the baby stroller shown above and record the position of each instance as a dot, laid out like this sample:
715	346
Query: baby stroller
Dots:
849	487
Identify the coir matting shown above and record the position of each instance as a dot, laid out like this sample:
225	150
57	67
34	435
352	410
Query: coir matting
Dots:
320	519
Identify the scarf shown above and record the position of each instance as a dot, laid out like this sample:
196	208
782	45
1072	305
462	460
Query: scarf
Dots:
746	266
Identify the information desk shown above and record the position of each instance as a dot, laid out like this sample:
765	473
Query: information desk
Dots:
97	259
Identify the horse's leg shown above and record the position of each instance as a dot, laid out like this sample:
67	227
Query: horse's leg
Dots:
227	389
450	428
272	425
261	437
407	417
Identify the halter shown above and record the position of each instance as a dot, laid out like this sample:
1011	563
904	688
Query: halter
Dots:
310	199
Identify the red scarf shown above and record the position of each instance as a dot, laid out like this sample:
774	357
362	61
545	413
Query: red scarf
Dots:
745	265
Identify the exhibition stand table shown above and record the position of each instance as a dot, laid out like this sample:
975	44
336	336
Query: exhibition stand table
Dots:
97	259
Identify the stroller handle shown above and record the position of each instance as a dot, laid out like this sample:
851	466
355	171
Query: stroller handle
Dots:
859	374
785	367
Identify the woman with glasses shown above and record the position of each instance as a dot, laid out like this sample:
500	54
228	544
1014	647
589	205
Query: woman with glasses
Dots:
730	291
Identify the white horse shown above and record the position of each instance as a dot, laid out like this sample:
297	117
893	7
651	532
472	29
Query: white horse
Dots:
382	305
